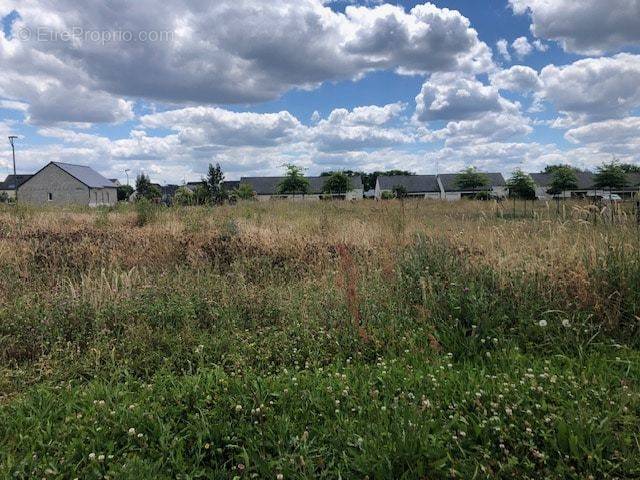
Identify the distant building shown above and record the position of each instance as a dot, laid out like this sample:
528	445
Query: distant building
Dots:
451	191
115	181
67	184
266	188
585	186
417	186
9	185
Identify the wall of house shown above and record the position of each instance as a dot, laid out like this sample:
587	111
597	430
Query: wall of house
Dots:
103	197
64	189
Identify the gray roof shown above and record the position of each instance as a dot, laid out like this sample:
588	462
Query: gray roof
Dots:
86	175
413	183
10	183
230	185
269	185
585	180
450	181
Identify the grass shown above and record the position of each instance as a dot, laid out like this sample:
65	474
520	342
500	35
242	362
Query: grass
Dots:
292	340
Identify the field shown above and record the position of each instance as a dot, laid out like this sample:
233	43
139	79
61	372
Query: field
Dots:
330	340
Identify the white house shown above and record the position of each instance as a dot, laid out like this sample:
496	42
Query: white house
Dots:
451	191
417	186
266	188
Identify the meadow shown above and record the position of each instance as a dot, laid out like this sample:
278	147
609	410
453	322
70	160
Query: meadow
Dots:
328	340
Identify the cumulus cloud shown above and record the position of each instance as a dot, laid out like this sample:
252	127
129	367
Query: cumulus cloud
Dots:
589	27
228	51
456	97
593	89
518	78
503	49
522	47
621	137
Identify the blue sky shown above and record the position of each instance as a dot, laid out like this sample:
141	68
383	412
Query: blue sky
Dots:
498	84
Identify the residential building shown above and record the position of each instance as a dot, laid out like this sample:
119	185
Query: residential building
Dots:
585	186
66	184
266	188
417	186
8	187
451	191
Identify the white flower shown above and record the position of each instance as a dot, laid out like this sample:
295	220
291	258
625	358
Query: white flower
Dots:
280	477
542	323
101	458
132	431
238	408
92	456
566	323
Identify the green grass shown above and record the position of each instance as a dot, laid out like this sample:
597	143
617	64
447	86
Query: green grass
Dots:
225	356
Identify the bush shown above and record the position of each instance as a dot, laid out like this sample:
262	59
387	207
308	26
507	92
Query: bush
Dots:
146	212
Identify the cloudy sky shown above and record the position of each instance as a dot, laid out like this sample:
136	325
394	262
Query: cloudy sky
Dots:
168	87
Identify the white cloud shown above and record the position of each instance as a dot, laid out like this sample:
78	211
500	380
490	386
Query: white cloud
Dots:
456	97
503	49
593	89
589	27
522	47
620	137
228	51
518	78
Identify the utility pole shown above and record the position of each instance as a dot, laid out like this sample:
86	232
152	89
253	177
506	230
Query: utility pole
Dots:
12	138
126	172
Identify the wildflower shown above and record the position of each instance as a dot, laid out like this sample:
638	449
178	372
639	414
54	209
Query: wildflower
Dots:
566	323
132	432
101	458
238	408
279	476
92	456
542	323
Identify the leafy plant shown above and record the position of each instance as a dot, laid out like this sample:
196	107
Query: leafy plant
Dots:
294	182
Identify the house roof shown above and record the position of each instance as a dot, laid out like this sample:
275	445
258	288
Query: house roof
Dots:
85	174
231	184
10	182
413	183
269	185
585	179
450	181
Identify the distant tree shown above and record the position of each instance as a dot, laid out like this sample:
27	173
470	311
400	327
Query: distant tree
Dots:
610	176
125	192
522	186
4	198
562	179
201	194
471	179
337	183
245	192
630	167
553	168
213	183
399	191
146	189
386	195
294	182
183	196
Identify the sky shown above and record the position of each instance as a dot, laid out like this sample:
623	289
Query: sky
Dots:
167	88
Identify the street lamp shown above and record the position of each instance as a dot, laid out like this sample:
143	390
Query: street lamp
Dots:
12	139
126	172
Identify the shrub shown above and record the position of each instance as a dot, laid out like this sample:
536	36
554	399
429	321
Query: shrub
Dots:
146	212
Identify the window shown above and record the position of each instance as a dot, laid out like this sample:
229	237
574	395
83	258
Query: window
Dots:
50	196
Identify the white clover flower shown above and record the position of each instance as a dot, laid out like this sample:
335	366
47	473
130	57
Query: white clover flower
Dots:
279	476
132	431
92	456
238	408
566	323
542	323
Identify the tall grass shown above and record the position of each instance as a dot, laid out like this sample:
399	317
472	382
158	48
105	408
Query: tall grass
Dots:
366	339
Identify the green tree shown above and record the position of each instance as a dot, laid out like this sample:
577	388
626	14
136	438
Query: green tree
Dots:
399	191
553	168
522	186
337	183
471	179
610	176
563	178
294	182
125	192
245	192
213	182
4	198
630	167
146	189
183	196
201	195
